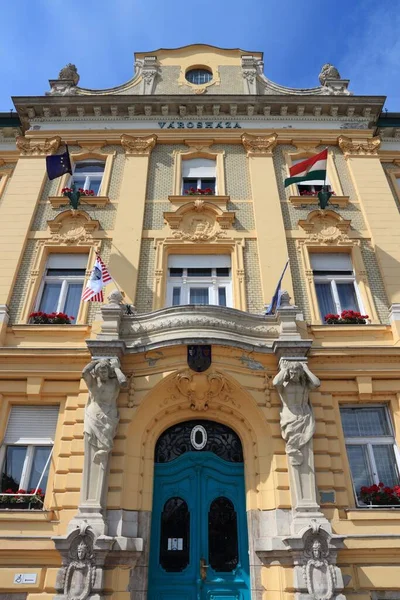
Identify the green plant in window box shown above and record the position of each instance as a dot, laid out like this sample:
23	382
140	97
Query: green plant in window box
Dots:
74	195
347	317
42	318
380	495
19	500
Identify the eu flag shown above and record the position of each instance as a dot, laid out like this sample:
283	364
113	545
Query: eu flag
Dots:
58	164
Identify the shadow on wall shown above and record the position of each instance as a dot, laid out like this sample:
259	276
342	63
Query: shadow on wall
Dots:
123	273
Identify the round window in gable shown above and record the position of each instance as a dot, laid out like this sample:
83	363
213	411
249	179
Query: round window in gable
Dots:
198	76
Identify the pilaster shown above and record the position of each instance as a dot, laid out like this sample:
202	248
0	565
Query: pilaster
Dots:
18	206
125	253
271	235
379	207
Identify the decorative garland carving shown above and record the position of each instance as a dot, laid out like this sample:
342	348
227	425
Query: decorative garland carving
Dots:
256	145
138	145
199	221
28	147
326	227
351	147
72	227
200	389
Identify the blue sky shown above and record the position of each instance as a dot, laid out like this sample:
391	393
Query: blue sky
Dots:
360	37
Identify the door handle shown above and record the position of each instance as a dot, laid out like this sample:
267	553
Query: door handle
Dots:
203	569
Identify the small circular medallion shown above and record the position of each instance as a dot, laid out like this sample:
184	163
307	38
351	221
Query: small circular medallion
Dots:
198	437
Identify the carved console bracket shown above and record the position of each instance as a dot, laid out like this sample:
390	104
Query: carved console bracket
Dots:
314	551
354	147
35	148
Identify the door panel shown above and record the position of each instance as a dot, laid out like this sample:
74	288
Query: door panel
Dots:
199	514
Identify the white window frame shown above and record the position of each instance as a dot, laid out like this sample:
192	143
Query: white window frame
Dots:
65	281
28	462
213	282
202	172
369	442
89	176
333	280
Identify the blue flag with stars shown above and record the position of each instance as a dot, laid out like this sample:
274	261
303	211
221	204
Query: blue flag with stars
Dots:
58	164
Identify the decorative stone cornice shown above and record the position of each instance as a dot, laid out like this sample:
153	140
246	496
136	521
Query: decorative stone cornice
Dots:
138	146
256	145
29	147
351	147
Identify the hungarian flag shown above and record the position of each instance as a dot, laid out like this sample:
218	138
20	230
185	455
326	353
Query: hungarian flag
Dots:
99	277
311	169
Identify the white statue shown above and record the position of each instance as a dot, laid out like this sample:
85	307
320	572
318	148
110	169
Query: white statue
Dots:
104	379
319	574
81	572
293	382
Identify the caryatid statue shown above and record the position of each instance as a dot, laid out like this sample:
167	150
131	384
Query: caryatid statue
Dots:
293	382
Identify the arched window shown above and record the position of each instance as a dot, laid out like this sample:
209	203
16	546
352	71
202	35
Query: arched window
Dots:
199	174
88	175
175	535
223	549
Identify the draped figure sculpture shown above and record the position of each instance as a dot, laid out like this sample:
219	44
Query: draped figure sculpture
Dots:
293	382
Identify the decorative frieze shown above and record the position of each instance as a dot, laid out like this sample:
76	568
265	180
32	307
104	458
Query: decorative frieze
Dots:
29	147
138	146
257	145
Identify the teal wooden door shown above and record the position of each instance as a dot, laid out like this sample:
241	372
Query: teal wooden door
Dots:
199	541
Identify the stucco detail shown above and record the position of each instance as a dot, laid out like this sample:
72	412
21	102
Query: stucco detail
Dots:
299	282
255	301
145	285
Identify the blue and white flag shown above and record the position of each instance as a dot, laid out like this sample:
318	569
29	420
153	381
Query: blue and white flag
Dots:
276	298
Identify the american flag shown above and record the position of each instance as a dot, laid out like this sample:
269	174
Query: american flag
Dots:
99	277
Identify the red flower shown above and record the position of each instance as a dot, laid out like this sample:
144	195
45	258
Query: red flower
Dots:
9	491
21	491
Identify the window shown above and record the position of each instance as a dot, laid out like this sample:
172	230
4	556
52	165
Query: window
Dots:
61	289
370	444
199	76
199	280
26	450
88	174
335	283
311	187
199	173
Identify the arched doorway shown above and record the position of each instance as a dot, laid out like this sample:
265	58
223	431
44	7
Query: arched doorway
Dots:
199	540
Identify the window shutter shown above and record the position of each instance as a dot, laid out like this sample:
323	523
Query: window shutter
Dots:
198	168
183	261
67	261
327	261
32	425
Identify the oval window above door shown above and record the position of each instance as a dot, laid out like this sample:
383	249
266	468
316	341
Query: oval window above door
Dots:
179	439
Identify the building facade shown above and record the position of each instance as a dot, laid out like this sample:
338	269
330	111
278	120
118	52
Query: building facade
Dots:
176	441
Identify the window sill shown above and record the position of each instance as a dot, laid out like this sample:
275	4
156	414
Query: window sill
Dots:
214	198
60	201
376	512
16	514
300	201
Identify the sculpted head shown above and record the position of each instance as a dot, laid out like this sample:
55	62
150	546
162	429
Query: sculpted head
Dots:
102	370
82	550
294	372
317	549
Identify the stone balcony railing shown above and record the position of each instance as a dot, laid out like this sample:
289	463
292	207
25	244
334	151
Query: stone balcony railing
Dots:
192	324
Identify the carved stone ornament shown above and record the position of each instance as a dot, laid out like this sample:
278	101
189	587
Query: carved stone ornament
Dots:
199	221
80	572
29	147
326	226
328	71
72	227
138	145
351	147
256	145
200	389
294	382
69	72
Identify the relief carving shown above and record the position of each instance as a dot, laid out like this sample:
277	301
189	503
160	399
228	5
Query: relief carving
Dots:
351	147
199	221
259	145
326	227
72	227
28	147
138	145
80	574
200	389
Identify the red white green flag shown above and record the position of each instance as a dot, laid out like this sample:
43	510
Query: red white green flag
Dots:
311	169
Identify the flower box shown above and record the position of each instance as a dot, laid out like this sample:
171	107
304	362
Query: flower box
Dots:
380	495
347	317
199	192
21	499
42	318
17	506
